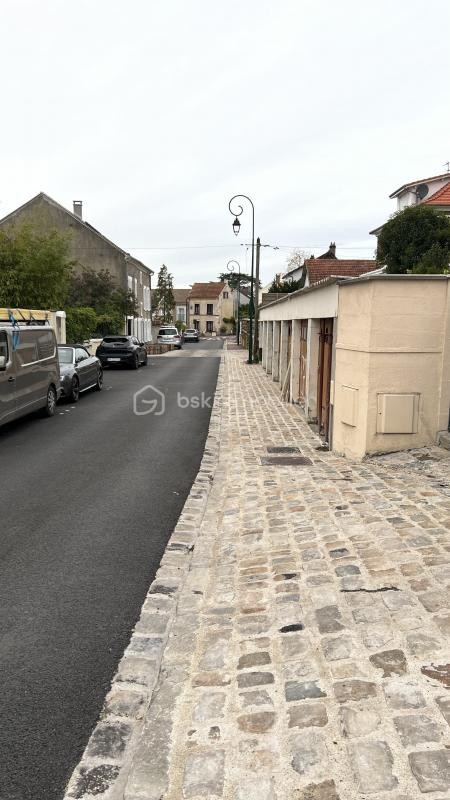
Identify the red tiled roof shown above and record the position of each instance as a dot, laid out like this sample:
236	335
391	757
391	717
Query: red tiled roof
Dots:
181	295
206	290
441	197
319	269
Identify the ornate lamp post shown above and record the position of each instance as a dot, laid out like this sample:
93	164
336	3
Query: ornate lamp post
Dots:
230	269
236	228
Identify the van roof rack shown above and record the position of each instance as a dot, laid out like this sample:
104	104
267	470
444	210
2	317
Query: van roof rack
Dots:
23	316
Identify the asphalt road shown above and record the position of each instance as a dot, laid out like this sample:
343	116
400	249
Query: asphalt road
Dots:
88	500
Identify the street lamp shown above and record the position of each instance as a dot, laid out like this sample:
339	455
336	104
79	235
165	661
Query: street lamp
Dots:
230	269
236	228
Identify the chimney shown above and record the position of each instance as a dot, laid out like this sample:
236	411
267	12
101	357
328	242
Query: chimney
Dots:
333	249
78	208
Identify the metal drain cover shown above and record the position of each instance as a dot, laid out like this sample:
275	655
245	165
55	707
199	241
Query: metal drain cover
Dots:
283	450
285	461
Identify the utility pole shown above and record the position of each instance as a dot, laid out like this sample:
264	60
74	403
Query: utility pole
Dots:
256	337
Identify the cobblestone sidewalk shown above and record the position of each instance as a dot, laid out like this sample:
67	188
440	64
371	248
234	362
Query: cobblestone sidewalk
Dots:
309	655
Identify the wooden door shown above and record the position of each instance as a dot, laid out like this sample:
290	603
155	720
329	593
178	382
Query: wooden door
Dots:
303	359
324	376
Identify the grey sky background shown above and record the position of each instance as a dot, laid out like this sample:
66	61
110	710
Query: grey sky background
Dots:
156	113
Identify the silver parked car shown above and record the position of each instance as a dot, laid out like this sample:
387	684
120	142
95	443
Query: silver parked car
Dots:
29	371
169	335
79	371
191	335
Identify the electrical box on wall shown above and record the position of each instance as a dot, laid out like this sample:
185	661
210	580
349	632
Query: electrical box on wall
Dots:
349	405
398	413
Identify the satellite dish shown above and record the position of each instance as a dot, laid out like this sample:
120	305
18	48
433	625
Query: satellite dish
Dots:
422	190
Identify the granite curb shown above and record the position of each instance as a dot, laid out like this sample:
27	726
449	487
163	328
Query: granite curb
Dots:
139	692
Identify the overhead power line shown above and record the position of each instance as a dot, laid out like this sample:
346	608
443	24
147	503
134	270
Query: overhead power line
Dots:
279	246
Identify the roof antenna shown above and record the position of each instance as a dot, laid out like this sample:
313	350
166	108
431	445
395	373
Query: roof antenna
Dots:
447	164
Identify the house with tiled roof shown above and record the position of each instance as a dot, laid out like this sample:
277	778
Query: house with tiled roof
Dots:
180	311
298	272
319	269
440	199
181	305
328	265
209	304
434	191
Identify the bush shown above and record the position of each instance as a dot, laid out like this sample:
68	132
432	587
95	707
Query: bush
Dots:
109	324
81	324
416	239
223	329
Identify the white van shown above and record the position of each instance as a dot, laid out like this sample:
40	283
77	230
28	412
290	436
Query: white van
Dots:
29	371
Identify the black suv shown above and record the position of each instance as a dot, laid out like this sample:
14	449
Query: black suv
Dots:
114	350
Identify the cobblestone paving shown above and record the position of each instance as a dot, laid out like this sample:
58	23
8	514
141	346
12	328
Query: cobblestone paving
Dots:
309	658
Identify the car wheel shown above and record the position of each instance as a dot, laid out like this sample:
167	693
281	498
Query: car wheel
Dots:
135	364
50	405
99	384
75	391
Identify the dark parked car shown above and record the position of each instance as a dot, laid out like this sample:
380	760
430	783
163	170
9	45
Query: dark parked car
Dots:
79	371
128	350
191	335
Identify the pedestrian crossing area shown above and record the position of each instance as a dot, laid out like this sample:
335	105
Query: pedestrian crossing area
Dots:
191	353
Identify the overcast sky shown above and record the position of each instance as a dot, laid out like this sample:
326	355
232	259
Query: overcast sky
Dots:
154	113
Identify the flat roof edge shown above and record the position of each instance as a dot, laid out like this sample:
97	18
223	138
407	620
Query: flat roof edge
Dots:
298	292
393	277
349	281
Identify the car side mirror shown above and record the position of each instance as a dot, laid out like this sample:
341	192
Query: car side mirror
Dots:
2	363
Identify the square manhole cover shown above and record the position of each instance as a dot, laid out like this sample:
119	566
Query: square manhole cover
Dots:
283	450
285	461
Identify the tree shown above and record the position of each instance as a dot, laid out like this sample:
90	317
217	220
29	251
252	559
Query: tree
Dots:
416	239
296	259
286	287
233	279
35	269
98	290
164	299
435	261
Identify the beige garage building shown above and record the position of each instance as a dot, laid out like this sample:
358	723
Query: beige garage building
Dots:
366	359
